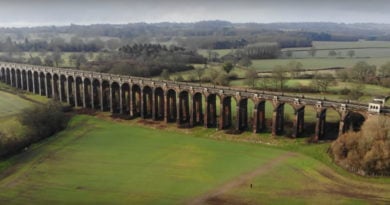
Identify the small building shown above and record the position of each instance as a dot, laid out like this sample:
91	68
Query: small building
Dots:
374	107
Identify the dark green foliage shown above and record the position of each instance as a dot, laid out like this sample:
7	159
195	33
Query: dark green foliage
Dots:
366	152
43	120
151	59
227	67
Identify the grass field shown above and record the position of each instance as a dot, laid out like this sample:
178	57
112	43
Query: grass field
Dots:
221	52
103	162
12	104
373	52
315	63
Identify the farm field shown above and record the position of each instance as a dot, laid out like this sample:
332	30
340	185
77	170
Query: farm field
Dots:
315	63
105	162
221	52
373	52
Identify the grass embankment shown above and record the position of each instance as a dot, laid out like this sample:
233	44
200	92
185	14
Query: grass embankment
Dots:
12	103
99	161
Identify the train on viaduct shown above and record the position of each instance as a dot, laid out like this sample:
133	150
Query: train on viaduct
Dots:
187	104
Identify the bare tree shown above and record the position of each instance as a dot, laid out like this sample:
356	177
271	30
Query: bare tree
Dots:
323	81
251	77
351	53
312	52
200	71
279	75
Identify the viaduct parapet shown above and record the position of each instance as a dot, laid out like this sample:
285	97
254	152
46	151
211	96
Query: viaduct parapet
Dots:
187	104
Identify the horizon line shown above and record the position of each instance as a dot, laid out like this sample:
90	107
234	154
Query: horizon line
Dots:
37	25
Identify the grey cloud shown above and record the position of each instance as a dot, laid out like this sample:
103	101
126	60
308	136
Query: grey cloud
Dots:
36	12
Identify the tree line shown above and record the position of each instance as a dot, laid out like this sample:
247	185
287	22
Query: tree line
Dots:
145	60
75	44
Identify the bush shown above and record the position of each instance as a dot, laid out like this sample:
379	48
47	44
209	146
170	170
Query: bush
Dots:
43	120
232	76
366	152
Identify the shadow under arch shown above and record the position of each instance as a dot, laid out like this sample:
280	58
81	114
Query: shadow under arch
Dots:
197	117
159	104
171	106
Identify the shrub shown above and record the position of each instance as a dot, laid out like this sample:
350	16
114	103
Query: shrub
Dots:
366	152
43	120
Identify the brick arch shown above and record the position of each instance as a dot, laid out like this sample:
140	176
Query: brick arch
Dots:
96	94
125	98
147	102
106	100
135	103
42	86
171	106
197	116
70	90
225	117
87	93
49	85
210	119
2	74
18	78
242	114
29	81
183	117
115	98
195	92
158	104
13	77
352	121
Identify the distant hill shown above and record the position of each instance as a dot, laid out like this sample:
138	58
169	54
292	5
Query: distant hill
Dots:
207	34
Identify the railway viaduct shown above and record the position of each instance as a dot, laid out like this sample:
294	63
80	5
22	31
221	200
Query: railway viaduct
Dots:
184	103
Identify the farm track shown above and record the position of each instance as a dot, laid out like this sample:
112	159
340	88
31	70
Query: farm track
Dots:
241	180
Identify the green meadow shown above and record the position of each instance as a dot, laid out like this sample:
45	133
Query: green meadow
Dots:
11	104
98	161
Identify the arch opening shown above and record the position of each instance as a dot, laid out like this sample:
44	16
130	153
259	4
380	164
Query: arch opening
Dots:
184	109
96	95
87	93
48	85
135	110
171	106
147	102
197	110
125	98
159	104
115	98
105	90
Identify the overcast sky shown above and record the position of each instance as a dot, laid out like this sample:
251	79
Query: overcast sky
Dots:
65	12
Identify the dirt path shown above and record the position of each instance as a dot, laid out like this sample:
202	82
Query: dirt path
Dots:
242	179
